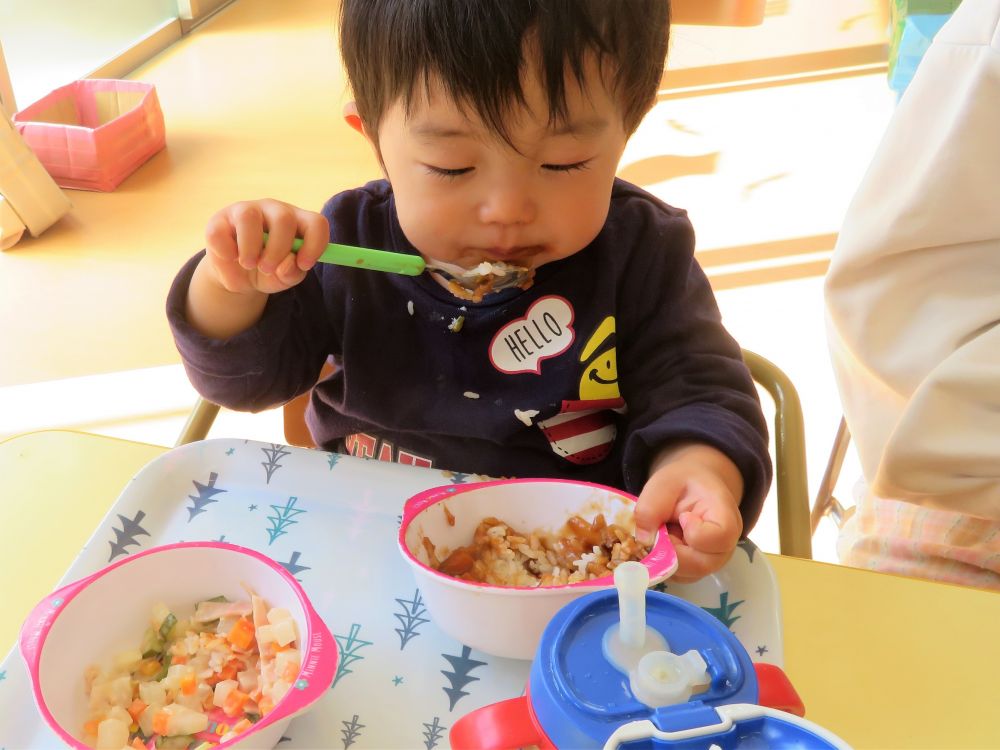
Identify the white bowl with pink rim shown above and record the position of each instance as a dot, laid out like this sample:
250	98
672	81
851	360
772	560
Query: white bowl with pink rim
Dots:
508	620
89	621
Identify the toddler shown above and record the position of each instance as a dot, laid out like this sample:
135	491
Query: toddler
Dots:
499	125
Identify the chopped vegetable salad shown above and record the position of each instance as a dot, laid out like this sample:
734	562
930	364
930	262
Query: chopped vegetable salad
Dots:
196	681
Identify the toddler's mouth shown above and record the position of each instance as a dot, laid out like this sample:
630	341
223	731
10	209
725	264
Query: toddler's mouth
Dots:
485	278
520	255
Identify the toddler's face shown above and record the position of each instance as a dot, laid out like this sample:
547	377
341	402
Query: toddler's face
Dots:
464	196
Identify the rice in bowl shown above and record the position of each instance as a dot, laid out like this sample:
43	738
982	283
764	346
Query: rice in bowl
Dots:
503	556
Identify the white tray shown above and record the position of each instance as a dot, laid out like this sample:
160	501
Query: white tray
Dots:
332	520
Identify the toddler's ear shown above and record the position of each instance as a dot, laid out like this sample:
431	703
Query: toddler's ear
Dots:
352	118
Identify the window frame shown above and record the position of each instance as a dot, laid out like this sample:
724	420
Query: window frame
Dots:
7	103
190	13
193	12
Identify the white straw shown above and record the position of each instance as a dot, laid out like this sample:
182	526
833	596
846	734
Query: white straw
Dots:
631	580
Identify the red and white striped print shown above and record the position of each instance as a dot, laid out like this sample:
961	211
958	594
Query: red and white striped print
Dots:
583	432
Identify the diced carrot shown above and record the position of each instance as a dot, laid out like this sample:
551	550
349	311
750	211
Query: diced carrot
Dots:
90	727
265	704
241	634
229	671
233	704
137	744
188	684
161	722
179	659
136	709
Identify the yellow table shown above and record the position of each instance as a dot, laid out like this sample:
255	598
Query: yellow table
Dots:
884	662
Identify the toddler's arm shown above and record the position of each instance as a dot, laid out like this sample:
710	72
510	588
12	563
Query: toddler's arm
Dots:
695	490
231	284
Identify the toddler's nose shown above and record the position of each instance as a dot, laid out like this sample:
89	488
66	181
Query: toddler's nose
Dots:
507	204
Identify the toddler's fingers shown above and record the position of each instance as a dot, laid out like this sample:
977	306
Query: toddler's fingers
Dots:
710	535
656	504
248	222
281	223
220	239
693	565
288	273
314	230
223	254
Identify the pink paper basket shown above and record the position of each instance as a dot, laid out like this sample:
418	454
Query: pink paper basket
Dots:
92	134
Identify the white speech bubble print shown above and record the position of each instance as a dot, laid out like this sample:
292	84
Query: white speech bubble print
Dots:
545	331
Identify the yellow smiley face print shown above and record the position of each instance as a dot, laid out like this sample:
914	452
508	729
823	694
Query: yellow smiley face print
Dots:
600	374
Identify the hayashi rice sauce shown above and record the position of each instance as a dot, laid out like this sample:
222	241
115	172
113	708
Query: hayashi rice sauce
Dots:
486	283
503	556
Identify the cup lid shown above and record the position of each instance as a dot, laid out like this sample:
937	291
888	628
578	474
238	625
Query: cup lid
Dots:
580	698
738	726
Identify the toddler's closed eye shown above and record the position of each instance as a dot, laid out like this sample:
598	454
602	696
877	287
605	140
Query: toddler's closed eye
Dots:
578	165
447	173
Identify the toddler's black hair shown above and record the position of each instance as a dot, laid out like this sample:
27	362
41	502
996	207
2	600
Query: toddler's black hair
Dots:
476	49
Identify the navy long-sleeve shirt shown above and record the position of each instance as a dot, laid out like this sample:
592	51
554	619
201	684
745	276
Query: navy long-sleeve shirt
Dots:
611	354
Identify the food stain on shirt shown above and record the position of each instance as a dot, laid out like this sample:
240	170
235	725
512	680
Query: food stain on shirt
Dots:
526	416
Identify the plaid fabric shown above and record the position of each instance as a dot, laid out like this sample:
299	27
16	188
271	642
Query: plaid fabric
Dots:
892	536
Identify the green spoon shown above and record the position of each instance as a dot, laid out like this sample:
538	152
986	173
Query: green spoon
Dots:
502	275
363	257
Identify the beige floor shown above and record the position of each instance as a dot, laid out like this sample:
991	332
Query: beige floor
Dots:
766	173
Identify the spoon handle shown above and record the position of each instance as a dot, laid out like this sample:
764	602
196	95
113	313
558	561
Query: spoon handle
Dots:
362	257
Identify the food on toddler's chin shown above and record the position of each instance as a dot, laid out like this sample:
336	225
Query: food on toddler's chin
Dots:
193	682
503	556
490	277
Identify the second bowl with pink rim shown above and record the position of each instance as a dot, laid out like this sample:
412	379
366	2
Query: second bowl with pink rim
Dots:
508	621
90	621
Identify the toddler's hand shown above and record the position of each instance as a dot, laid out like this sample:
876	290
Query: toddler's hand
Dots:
241	262
695	490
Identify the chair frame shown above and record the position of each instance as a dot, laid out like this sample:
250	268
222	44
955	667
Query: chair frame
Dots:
198	423
792	486
826	504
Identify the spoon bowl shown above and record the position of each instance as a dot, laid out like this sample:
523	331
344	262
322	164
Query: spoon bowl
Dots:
486	278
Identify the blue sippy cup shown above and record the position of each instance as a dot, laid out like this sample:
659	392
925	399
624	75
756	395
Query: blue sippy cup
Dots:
638	669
